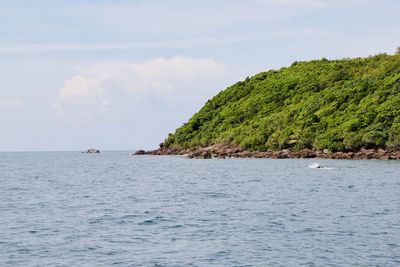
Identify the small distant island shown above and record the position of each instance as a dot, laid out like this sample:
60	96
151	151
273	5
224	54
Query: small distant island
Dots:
347	108
91	151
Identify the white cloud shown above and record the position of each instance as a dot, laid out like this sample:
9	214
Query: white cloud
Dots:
16	48
11	103
287	34
313	3
204	27
295	3
67	47
177	80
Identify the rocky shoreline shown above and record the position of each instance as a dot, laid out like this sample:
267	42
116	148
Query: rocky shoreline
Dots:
224	151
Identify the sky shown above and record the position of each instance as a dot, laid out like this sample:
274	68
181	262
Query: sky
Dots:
121	75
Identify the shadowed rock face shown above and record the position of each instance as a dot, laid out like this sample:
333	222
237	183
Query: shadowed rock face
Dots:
224	151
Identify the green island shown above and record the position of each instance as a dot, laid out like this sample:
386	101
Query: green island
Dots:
326	105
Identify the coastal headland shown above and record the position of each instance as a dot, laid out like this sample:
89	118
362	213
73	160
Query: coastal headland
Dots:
336	109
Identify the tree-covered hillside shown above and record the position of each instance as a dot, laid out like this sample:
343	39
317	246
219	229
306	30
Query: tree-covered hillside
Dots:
321	104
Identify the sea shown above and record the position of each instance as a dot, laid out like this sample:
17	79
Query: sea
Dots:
114	209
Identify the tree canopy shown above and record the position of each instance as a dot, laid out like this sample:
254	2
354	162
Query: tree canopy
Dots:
340	105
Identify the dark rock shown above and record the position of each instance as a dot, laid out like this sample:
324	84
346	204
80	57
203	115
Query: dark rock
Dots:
381	152
91	151
244	154
307	153
206	155
140	152
226	151
258	155
284	154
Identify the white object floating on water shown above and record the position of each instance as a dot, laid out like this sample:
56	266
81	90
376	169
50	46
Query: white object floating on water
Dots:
314	166
317	166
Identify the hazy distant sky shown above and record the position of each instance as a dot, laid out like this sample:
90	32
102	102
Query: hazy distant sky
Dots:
123	74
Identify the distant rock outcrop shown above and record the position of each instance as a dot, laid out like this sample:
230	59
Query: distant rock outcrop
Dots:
92	151
139	152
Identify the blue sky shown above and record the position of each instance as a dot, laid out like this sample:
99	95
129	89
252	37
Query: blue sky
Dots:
123	74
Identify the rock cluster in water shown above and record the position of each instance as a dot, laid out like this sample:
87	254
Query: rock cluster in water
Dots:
92	150
225	151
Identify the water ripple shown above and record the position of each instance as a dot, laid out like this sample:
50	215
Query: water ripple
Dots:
72	209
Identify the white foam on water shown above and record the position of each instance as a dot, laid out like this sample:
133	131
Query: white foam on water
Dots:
317	166
314	166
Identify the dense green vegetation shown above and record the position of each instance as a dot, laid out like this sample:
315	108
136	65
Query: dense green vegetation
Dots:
338	105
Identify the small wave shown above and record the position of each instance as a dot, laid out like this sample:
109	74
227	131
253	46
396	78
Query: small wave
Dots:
148	222
215	194
156	220
176	226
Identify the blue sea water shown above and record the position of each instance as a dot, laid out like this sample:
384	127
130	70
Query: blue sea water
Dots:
112	209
